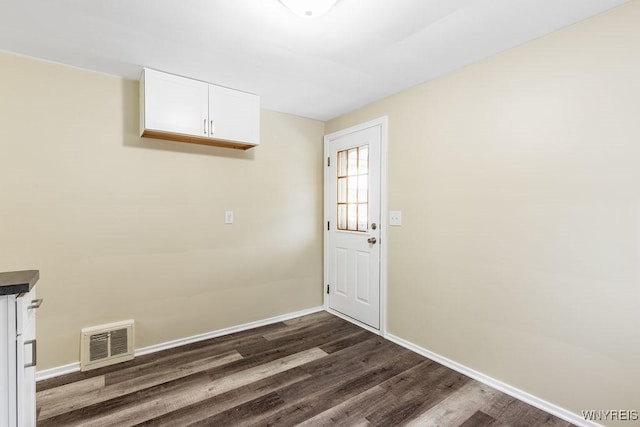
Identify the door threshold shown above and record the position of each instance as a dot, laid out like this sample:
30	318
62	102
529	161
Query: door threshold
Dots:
355	322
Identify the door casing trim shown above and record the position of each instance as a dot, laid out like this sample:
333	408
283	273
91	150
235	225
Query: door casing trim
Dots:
383	122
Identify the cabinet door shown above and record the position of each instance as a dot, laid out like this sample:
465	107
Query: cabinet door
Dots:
8	353
7	361
175	104
26	359
234	115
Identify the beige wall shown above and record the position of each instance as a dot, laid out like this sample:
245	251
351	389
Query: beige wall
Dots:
123	227
519	183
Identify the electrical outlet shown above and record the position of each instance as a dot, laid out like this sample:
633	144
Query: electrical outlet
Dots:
228	217
395	218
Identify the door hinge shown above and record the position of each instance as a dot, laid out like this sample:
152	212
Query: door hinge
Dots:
328	225
328	288
328	161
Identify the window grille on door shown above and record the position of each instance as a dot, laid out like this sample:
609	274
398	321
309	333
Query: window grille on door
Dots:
353	189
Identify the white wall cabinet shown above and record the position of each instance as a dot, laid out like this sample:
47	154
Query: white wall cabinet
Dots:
180	109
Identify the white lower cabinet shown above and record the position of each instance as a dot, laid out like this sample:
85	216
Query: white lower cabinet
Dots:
18	360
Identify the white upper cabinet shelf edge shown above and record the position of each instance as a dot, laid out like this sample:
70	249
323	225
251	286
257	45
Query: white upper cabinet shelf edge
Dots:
187	110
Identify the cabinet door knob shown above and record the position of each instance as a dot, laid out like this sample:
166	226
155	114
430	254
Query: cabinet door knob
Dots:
36	303
205	126
211	127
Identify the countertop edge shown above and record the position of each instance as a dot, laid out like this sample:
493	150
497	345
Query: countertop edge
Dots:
18	282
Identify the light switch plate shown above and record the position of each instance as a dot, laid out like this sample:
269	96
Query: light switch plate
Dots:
228	217
395	218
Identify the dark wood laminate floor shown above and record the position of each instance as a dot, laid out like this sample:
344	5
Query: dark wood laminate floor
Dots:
314	370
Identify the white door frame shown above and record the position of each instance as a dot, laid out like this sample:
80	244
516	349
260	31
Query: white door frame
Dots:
383	122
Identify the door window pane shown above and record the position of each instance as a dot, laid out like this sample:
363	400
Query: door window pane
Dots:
353	189
362	217
363	160
363	188
342	190
352	169
342	163
352	215
342	216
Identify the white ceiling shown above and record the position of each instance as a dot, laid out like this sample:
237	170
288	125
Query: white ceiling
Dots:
361	51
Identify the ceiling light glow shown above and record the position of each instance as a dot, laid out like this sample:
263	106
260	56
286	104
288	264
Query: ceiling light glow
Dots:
309	8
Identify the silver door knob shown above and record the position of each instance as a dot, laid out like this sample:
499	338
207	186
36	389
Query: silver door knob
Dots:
372	240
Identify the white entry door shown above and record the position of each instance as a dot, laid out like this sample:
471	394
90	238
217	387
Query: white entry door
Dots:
352	209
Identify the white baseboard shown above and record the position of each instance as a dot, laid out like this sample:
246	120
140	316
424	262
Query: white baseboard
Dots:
75	367
498	385
57	371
